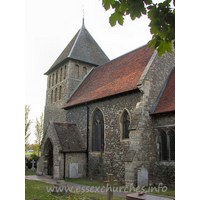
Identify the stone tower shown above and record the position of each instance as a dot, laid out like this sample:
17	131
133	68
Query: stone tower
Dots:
80	56
77	60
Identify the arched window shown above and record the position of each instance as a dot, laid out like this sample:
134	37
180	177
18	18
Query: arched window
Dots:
98	132
126	123
84	71
76	71
49	81
166	145
53	80
171	145
60	92
55	95
60	74
65	72
51	96
56	77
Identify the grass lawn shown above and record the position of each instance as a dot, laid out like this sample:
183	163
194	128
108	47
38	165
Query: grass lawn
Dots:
28	173
86	181
94	182
169	192
38	190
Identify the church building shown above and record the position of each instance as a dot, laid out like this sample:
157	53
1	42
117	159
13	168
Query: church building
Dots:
119	113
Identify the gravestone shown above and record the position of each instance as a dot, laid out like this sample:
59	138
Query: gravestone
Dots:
73	171
142	177
32	168
110	183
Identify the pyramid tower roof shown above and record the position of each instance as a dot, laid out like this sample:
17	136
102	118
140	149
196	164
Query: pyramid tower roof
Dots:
82	47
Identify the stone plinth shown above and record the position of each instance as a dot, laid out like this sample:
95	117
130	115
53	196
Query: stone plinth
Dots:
145	196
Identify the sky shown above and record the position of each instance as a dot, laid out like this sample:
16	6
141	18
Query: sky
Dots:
49	27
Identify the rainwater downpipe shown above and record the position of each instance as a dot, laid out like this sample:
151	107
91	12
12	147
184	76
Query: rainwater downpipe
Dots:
87	150
64	165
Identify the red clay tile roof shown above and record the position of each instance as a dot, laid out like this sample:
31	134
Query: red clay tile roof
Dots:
166	101
117	76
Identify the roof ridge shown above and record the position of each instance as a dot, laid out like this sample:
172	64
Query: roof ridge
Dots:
83	28
75	41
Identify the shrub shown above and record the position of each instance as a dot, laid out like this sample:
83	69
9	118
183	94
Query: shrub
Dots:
29	164
34	156
166	174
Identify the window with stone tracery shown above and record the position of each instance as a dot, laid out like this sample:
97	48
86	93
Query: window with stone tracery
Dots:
166	145
98	132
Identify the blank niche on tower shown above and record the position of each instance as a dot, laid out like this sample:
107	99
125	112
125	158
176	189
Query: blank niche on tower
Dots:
84	71
76	71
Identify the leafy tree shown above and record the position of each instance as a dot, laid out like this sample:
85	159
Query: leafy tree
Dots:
39	132
162	16
27	126
35	147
